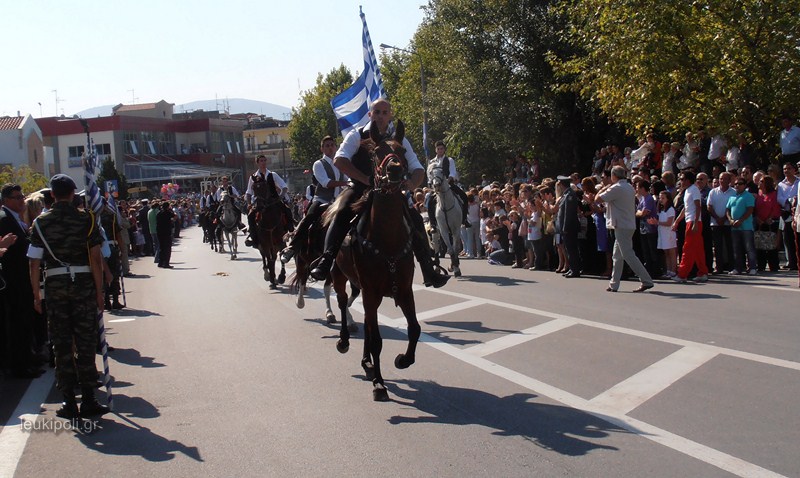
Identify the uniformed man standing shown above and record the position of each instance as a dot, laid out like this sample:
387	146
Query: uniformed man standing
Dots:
108	219
69	242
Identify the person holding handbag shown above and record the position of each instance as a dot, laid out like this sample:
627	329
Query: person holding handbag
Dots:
767	218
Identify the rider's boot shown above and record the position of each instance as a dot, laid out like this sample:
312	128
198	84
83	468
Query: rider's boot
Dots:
431	275
251	230
333	241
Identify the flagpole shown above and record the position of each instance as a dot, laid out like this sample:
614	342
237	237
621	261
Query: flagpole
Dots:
94	203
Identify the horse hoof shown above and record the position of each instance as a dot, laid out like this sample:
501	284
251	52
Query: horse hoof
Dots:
379	393
450	269
273	287
233	257
282	277
330	318
352	328
457	273
402	361
369	370
300	302
342	346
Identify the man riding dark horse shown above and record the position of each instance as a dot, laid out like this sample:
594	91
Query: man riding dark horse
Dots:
361	179
448	167
330	181
263	174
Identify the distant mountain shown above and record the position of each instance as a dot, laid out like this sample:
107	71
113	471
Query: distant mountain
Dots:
233	105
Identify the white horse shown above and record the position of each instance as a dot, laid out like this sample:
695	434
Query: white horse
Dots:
448	217
229	222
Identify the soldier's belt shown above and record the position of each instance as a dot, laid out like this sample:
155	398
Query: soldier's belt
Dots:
71	270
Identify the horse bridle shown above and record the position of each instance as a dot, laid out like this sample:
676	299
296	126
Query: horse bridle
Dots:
383	181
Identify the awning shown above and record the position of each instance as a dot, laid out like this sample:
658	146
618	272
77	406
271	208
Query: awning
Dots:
160	171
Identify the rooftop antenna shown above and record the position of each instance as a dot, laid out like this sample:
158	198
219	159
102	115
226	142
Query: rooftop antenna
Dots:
133	96
58	100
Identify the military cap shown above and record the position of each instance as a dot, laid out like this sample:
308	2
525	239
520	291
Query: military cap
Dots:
61	185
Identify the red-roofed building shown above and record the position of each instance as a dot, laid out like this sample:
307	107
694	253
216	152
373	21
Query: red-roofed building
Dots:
151	146
21	143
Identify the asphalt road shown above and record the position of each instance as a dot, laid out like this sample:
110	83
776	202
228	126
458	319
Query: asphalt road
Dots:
519	373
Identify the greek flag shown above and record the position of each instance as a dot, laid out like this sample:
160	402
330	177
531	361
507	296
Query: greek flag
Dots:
352	105
93	199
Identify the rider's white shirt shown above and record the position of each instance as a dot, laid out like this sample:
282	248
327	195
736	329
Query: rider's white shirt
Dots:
280	184
234	192
352	141
322	175
436	162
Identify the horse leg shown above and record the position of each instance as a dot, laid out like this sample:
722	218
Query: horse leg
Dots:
340	286
326	290
351	324
282	275
372	336
271	265
300	302
406	303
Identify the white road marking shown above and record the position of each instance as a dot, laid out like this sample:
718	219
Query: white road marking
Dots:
633	332
449	309
12	437
512	340
119	320
641	387
783	289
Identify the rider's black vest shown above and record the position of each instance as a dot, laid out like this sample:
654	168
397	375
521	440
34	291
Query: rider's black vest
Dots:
326	194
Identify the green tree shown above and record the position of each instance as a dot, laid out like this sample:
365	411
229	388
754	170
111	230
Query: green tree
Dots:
27	178
314	119
109	172
730	64
490	91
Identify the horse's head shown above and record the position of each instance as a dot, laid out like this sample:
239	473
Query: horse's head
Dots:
438	182
388	156
224	197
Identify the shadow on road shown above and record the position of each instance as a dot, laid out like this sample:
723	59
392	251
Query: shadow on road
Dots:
685	295
553	427
126	312
133	357
495	280
132	439
476	326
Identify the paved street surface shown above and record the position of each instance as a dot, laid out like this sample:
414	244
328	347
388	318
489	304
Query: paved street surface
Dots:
519	373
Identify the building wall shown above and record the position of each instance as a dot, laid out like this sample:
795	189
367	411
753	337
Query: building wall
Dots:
69	145
272	142
23	146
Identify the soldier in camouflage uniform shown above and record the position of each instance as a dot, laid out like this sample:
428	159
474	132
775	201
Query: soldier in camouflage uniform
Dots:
108	219
69	243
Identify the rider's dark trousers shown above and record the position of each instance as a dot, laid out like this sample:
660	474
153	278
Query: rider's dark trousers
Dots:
341	222
312	215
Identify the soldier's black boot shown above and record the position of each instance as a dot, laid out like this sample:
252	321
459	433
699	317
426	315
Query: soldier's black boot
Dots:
90	407
323	267
117	304
69	407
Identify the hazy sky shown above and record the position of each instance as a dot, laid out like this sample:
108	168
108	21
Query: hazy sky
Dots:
95	52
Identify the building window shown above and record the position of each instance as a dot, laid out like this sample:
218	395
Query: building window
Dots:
75	151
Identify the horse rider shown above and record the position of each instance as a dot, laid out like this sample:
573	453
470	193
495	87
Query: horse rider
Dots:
381	113
448	167
234	194
330	182
282	190
208	201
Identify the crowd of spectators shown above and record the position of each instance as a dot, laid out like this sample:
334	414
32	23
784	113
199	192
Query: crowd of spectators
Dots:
516	223
24	347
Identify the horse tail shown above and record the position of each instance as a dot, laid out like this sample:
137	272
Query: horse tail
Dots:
330	213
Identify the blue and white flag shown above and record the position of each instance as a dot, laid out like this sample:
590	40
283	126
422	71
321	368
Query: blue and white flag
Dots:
352	105
93	199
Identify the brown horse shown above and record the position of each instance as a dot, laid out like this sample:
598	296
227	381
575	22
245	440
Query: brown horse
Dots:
270	229
308	252
379	258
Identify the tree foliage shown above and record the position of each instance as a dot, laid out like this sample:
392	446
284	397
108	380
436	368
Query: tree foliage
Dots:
489	87
27	178
721	63
313	119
